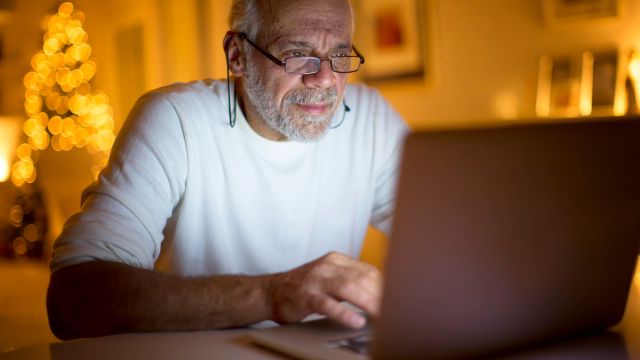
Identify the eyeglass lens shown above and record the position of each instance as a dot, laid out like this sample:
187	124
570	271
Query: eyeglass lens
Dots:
301	65
311	65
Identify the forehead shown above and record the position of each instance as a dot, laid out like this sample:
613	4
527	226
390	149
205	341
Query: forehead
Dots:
304	19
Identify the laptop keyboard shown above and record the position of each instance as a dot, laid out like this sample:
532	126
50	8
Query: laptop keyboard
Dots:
360	344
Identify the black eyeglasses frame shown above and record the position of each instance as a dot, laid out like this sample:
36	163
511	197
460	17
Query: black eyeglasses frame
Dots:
283	63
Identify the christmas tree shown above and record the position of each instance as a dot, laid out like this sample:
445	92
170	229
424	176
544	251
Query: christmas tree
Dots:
63	111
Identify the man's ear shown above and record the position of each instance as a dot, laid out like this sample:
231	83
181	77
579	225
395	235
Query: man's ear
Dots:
234	53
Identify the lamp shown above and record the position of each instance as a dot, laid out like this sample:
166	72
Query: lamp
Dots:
633	71
9	132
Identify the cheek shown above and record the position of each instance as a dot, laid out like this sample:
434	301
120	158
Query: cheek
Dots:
284	86
275	81
341	83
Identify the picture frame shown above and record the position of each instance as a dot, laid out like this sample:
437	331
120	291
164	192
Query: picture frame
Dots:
602	81
559	81
390	35
570	11
587	84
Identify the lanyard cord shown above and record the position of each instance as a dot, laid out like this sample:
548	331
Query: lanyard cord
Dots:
232	117
344	113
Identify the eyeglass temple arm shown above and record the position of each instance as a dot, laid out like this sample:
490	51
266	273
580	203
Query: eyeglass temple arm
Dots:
269	56
355	50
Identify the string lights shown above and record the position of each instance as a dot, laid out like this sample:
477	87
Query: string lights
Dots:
64	112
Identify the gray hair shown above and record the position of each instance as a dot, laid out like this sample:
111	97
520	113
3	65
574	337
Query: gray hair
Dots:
248	16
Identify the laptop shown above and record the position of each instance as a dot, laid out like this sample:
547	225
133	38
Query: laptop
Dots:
504	237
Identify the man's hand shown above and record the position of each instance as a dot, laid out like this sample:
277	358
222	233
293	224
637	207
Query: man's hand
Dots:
320	286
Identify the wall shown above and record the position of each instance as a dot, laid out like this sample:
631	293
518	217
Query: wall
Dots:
486	58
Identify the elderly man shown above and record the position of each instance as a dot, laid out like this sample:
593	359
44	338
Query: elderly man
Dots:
227	204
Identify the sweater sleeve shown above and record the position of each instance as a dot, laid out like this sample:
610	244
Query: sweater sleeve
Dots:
124	213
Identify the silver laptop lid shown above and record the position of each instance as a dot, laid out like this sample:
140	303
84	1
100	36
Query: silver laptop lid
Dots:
510	236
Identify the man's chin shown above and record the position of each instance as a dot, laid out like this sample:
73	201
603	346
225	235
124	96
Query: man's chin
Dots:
309	131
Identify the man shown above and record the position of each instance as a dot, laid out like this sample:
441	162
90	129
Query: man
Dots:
207	218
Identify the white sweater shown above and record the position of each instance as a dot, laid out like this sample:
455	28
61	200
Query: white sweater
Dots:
186	193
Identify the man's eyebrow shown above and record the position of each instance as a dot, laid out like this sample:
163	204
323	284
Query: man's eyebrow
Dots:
291	43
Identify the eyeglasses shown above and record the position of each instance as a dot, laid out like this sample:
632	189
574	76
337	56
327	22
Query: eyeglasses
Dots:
305	65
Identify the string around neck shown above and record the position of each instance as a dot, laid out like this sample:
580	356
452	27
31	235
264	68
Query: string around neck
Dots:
232	116
344	114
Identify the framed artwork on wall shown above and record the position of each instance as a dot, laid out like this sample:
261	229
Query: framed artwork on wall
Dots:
558	86
390	34
591	83
567	11
602	79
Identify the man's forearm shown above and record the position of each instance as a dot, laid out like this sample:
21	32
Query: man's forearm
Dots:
100	298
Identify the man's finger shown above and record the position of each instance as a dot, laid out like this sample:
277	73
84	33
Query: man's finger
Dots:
326	305
366	297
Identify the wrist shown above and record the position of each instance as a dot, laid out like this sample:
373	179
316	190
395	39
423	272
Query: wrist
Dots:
268	290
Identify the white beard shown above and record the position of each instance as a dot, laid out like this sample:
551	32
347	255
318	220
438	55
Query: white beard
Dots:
290	120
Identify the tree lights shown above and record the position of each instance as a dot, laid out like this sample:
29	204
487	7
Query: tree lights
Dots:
64	112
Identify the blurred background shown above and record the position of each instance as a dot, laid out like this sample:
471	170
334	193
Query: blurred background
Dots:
439	63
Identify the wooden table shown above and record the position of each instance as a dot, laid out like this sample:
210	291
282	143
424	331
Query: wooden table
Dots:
622	342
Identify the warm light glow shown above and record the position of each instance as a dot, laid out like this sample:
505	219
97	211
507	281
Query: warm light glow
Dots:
62	110
16	215
9	130
31	233
586	85
634	74
4	169
505	105
634	67
543	101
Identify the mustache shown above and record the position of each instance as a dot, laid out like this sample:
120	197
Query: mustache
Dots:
311	96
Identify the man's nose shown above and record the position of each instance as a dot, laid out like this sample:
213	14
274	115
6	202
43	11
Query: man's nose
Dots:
323	79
